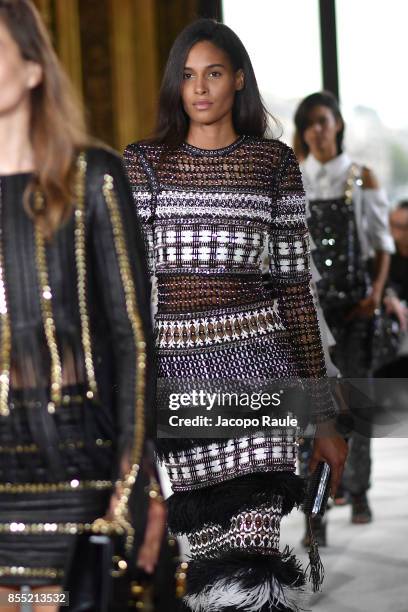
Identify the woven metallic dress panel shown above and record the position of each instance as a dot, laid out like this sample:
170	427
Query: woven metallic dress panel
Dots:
208	217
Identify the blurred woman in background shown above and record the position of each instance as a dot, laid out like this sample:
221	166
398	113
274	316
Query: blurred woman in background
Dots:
348	221
76	343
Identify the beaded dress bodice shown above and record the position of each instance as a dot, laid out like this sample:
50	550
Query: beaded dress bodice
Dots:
207	237
208	218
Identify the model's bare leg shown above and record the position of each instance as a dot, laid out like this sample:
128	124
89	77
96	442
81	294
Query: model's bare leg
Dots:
5	591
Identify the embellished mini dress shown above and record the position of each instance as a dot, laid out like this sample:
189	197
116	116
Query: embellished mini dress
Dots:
348	225
75	341
208	217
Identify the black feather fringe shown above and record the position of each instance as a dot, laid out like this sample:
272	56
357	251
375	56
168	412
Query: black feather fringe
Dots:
266	608
191	510
253	569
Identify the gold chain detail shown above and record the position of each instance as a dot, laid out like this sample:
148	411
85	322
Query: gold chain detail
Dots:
80	257
40	528
47	314
5	348
34	572
98	526
52	487
121	511
33	448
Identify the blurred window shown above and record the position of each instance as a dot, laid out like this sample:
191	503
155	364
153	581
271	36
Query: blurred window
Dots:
371	40
283	41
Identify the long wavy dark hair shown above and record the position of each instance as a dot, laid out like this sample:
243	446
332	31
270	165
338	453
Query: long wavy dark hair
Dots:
57	128
250	116
320	98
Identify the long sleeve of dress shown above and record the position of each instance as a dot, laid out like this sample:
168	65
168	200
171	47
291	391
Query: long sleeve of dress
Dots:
290	270
144	204
121	277
143	197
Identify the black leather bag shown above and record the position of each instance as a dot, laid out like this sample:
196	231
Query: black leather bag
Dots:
100	579
102	575
89	579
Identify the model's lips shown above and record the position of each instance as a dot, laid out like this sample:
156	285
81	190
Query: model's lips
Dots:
202	104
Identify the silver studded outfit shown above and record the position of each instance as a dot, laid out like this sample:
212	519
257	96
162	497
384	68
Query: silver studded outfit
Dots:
348	224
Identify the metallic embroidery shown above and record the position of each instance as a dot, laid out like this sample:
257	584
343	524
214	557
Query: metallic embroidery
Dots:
30	572
208	464
5	348
121	511
80	257
49	528
213	329
33	448
53	487
255	530
47	314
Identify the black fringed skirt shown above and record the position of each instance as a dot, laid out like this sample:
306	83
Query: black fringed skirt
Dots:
44	503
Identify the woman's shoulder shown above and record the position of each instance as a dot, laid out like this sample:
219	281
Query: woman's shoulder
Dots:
369	179
102	160
272	146
134	150
367	175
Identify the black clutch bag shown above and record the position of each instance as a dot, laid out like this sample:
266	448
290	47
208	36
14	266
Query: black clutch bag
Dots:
317	491
315	504
100	579
102	574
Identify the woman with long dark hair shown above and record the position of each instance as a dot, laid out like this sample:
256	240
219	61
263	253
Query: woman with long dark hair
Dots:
76	342
211	192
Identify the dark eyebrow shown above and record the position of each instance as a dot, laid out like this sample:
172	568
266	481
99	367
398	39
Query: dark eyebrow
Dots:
210	66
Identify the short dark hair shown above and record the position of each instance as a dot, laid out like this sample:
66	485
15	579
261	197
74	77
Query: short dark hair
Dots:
320	98
250	116
403	205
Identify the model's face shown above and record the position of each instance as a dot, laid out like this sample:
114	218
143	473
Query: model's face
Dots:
399	227
209	84
17	76
322	129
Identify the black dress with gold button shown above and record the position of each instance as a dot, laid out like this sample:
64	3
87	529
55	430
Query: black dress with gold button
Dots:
75	366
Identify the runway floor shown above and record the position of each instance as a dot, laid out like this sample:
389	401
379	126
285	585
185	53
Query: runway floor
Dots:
366	565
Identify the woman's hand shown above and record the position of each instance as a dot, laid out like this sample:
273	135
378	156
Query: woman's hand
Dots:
156	524
366	307
155	527
394	306
331	447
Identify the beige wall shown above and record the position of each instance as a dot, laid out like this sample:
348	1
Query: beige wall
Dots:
115	51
